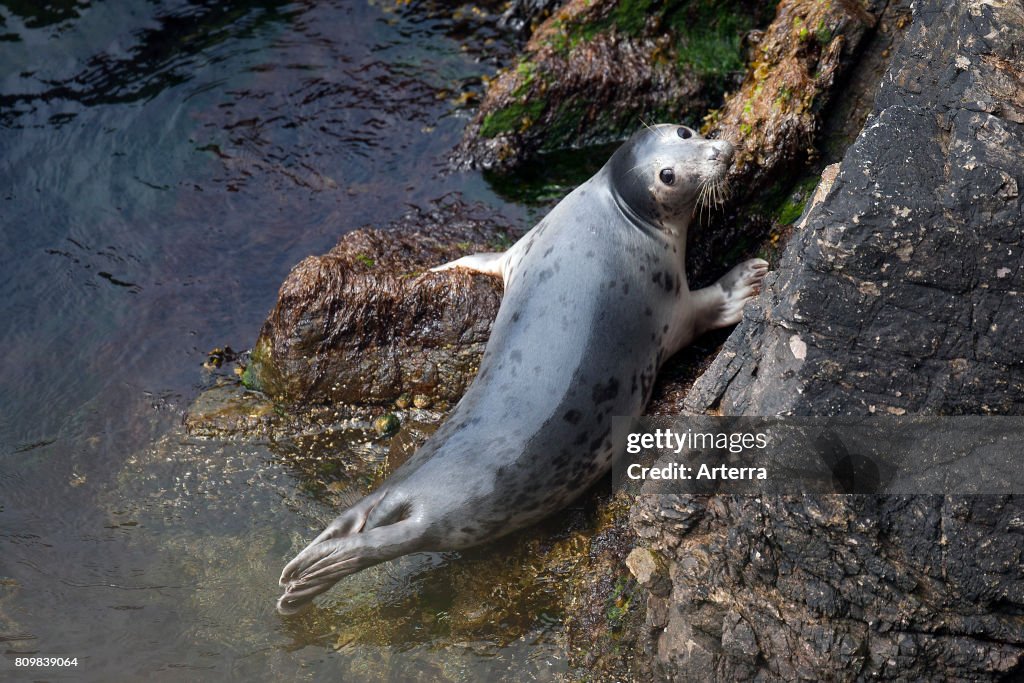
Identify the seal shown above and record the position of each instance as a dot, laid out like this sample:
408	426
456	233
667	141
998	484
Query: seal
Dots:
596	298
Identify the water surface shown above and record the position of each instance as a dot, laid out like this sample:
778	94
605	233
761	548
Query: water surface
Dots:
163	164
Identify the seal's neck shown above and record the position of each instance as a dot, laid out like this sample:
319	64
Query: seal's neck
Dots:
664	230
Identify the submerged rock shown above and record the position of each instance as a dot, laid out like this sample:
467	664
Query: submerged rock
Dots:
366	323
900	292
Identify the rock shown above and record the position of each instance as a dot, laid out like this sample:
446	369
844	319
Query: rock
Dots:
642	565
227	409
366	324
594	69
900	291
756	222
774	116
810	84
523	16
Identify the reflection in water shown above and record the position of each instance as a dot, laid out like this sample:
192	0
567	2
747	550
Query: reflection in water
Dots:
164	164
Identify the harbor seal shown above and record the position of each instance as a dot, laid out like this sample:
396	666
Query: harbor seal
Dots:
596	298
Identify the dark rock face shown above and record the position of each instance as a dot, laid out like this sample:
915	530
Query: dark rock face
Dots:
365	323
900	291
835	587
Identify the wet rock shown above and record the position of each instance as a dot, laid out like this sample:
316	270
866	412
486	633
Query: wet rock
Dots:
228	409
367	324
902	288
900	291
523	16
774	116
808	88
757	222
595	68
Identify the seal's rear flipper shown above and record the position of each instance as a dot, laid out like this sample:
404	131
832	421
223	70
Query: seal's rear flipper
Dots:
347	523
491	263
324	562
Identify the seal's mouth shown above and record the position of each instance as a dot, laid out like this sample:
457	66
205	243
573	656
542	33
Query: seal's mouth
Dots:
713	191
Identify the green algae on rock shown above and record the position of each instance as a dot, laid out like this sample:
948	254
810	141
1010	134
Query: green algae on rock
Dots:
596	68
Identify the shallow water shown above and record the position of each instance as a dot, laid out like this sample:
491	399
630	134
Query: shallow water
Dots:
163	166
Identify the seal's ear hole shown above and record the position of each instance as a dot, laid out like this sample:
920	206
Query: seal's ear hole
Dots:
684	132
667	176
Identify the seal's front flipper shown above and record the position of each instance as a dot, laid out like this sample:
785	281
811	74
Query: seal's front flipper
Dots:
491	263
721	304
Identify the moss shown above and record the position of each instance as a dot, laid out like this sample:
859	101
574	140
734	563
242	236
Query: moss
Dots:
365	260
511	118
527	72
783	97
630	16
259	362
619	602
567	36
801	29
559	41
789	209
711	36
712	53
564	124
823	34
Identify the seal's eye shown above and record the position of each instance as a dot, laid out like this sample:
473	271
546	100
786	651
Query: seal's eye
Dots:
684	133
667	176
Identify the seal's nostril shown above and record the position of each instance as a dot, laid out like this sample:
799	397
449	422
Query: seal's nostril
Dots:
721	153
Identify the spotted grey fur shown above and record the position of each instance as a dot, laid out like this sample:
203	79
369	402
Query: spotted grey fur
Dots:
596	298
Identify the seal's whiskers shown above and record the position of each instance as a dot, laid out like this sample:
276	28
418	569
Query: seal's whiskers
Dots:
661	136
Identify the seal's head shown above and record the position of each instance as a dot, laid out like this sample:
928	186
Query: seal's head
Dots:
663	172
